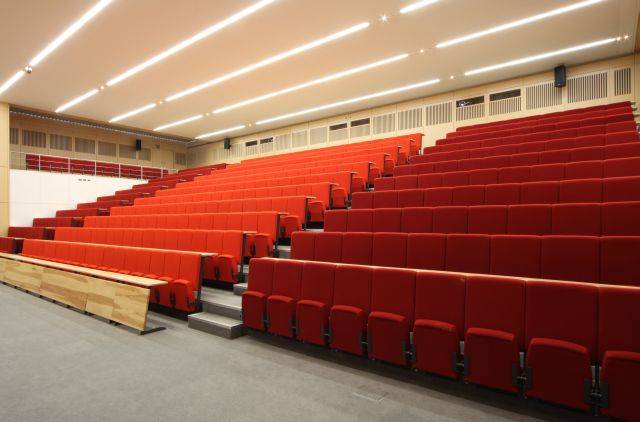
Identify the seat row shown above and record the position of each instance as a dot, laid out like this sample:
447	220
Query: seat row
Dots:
498	332
561	171
587	219
301	210
610	260
181	270
226	244
520	144
625	150
613	189
57	222
29	232
541	119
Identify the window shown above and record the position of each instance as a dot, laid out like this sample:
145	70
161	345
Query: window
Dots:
144	154
360	122
470	101
127	151
251	143
85	146
360	127
60	142
338	127
14	133
107	149
504	95
31	138
180	159
266	141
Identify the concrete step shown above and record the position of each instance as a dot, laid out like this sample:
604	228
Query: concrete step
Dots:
239	288
221	302
217	325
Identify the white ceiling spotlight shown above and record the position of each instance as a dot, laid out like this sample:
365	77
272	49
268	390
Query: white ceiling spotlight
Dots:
319	81
75	27
270	60
540	56
384	18
417	5
132	112
179	122
77	100
519	22
220	132
351	101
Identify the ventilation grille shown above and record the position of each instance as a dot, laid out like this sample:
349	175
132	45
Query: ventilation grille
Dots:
14	134
34	139
144	154
504	106
587	87
127	151
438	114
470	112
622	81
85	146
180	159
318	135
60	142
543	95
384	123
107	149
299	139
283	142
410	119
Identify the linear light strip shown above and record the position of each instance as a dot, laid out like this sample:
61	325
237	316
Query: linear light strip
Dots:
133	112
179	122
189	41
314	82
417	5
77	100
15	78
270	60
519	22
351	101
220	132
540	56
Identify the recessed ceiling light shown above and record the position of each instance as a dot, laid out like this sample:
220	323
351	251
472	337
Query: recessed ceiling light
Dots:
540	56
626	37
451	77
270	60
517	23
132	112
384	18
77	100
421	50
15	78
220	132
314	82
351	101
189	41
179	122
417	5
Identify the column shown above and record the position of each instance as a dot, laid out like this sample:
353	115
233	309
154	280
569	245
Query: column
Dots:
4	168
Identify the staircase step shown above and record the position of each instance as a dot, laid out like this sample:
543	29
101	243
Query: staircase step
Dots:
217	325
221	302
239	288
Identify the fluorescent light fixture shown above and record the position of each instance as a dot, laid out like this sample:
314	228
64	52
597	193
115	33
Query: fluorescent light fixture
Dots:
351	101
417	5
220	132
77	100
540	56
189	41
519	22
12	80
270	60
75	27
132	112
314	82
179	122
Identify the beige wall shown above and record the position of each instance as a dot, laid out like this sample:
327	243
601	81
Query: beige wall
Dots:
211	153
162	152
4	168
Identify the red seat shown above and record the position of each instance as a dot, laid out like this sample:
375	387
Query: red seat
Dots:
579	219
350	310
502	194
619	350
469	253
621	219
387	220
529	219
584	190
619	260
328	247
335	221
487	219
618	189
439	324
357	248
303	245
467	195
389	250
539	193
360	221
515	255
281	303
254	299
559	355
450	219
494	331
391	317
571	258
316	299
426	251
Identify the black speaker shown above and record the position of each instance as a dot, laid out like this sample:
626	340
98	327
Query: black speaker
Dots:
227	143
560	76
138	144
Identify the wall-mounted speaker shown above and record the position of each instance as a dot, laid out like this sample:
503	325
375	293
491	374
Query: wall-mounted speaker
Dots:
138	144
559	76
227	143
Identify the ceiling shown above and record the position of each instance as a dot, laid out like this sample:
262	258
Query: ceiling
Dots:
128	32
